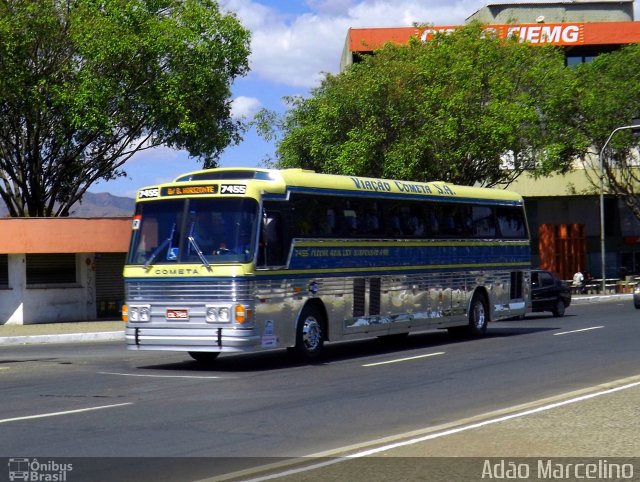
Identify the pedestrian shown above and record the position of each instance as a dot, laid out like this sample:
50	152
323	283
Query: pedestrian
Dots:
578	282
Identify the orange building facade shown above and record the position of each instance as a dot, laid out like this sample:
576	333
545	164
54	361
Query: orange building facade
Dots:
594	37
61	269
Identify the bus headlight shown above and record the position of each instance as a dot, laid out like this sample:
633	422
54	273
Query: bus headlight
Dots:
216	314
211	314
145	313
223	313
140	313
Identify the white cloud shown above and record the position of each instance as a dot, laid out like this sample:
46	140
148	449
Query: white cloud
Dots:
296	50
244	107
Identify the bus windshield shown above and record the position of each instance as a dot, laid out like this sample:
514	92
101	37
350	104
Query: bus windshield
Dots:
201	231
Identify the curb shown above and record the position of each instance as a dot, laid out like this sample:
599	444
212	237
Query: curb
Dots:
66	338
600	298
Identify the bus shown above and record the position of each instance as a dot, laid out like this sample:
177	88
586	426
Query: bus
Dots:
238	260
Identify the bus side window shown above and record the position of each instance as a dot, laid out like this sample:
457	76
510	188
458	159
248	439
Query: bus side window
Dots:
447	221
511	223
483	222
271	246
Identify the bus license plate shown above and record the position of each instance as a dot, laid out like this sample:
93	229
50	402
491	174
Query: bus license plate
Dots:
177	314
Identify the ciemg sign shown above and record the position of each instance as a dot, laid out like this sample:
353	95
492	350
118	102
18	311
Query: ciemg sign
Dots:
557	34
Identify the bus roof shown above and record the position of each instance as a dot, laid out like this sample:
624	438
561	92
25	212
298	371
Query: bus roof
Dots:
276	182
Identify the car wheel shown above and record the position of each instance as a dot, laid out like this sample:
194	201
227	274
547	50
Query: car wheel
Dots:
559	309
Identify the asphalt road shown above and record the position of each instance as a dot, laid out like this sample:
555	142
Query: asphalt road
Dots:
99	400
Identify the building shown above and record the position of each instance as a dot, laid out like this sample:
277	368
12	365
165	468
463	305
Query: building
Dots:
564	211
61	269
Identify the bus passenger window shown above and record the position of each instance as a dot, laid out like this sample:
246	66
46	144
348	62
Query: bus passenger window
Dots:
511	223
483	222
350	221
271	246
447	221
324	223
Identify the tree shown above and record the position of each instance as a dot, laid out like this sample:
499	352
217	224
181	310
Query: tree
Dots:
85	84
610	98
458	108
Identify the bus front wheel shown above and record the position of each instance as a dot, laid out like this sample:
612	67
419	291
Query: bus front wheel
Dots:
310	333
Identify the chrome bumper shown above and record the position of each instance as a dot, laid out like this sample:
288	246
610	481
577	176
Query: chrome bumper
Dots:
142	337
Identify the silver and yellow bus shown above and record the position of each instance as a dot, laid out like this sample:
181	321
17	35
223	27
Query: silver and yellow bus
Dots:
244	260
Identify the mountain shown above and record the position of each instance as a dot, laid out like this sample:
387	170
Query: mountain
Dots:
103	204
96	205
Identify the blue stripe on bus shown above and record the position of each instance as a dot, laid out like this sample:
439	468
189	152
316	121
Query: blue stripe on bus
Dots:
399	256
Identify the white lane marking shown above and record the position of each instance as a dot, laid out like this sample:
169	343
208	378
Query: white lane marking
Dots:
578	331
68	412
4	368
445	433
403	359
155	376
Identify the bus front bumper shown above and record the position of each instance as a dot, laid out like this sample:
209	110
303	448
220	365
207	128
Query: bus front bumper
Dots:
192	339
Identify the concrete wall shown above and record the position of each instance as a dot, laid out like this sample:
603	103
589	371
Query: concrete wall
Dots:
24	305
555	12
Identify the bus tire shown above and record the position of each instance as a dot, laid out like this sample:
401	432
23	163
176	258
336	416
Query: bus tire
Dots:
204	357
309	333
478	315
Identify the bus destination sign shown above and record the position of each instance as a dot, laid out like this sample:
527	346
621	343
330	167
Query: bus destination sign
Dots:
190	190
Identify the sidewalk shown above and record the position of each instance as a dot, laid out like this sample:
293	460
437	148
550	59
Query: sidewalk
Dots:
114	329
62	332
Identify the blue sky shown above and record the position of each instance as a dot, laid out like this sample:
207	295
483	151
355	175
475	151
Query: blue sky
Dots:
293	43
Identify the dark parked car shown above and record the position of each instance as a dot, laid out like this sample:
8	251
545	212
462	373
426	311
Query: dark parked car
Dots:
549	293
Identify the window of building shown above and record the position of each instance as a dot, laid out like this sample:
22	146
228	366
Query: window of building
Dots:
51	269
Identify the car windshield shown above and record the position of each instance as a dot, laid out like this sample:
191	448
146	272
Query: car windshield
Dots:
202	231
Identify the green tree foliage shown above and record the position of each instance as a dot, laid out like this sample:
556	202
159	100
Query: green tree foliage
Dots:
84	84
454	109
610	98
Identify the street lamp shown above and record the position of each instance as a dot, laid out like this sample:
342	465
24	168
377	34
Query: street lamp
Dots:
635	125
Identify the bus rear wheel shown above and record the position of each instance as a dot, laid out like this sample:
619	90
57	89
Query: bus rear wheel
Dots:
478	318
309	333
204	357
478	315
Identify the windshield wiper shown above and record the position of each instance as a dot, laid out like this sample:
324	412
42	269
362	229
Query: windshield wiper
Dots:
198	251
162	245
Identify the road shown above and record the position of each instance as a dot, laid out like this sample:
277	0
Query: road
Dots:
99	400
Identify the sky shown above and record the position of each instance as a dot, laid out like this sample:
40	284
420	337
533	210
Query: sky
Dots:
293	44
